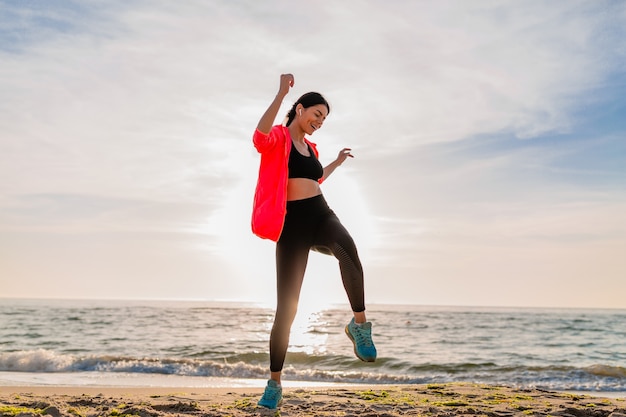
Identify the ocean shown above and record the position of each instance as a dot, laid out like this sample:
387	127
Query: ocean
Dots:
205	344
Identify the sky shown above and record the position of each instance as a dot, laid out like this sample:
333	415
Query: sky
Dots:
489	141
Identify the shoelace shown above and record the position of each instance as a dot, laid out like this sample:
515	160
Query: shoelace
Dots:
271	394
362	337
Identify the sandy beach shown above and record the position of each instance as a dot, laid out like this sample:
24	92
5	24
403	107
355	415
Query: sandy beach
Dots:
399	400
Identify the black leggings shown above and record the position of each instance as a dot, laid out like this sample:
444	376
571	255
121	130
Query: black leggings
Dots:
309	224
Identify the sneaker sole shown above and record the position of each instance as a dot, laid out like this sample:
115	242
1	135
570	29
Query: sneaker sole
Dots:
356	353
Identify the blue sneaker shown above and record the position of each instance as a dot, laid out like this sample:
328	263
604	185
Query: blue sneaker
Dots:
361	336
272	396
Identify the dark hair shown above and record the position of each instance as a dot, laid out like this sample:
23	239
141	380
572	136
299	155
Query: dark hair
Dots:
307	100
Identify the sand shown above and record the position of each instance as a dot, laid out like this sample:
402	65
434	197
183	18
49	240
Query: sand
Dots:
445	400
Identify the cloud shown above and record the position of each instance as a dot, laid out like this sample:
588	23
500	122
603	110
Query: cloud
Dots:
112	111
454	70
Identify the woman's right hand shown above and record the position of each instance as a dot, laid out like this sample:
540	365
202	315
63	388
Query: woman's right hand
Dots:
265	124
286	82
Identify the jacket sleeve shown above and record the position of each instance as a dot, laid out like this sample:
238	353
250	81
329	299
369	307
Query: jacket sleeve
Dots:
263	141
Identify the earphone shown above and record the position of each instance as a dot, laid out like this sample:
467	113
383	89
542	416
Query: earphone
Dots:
300	112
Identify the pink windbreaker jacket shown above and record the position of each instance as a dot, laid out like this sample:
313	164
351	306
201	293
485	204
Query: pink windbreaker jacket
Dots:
270	197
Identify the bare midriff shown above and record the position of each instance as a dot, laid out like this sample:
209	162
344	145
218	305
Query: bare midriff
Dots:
301	188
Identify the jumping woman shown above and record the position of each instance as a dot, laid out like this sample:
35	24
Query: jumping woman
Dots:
289	208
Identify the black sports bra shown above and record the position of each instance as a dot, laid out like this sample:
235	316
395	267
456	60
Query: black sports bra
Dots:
301	166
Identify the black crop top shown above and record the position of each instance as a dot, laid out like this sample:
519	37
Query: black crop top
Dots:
301	166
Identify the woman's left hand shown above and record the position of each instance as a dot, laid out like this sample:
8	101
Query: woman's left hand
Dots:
330	168
343	154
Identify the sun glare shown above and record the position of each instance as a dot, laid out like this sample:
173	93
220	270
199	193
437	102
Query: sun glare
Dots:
305	334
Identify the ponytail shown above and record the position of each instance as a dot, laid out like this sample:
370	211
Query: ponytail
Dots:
292	114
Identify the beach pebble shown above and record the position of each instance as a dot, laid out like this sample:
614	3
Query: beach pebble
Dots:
616	414
52	411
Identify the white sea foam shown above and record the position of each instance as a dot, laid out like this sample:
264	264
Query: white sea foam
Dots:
39	360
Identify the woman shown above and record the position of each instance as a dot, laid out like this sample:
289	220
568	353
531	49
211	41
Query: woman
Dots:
289	208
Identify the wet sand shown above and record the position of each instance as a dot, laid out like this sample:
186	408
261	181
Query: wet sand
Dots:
443	400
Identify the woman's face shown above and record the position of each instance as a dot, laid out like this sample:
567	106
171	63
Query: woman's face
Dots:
312	118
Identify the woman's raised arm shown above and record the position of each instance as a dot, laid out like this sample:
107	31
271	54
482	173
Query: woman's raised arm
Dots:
268	118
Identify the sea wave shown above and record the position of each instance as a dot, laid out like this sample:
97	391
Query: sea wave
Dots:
305	367
607	371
